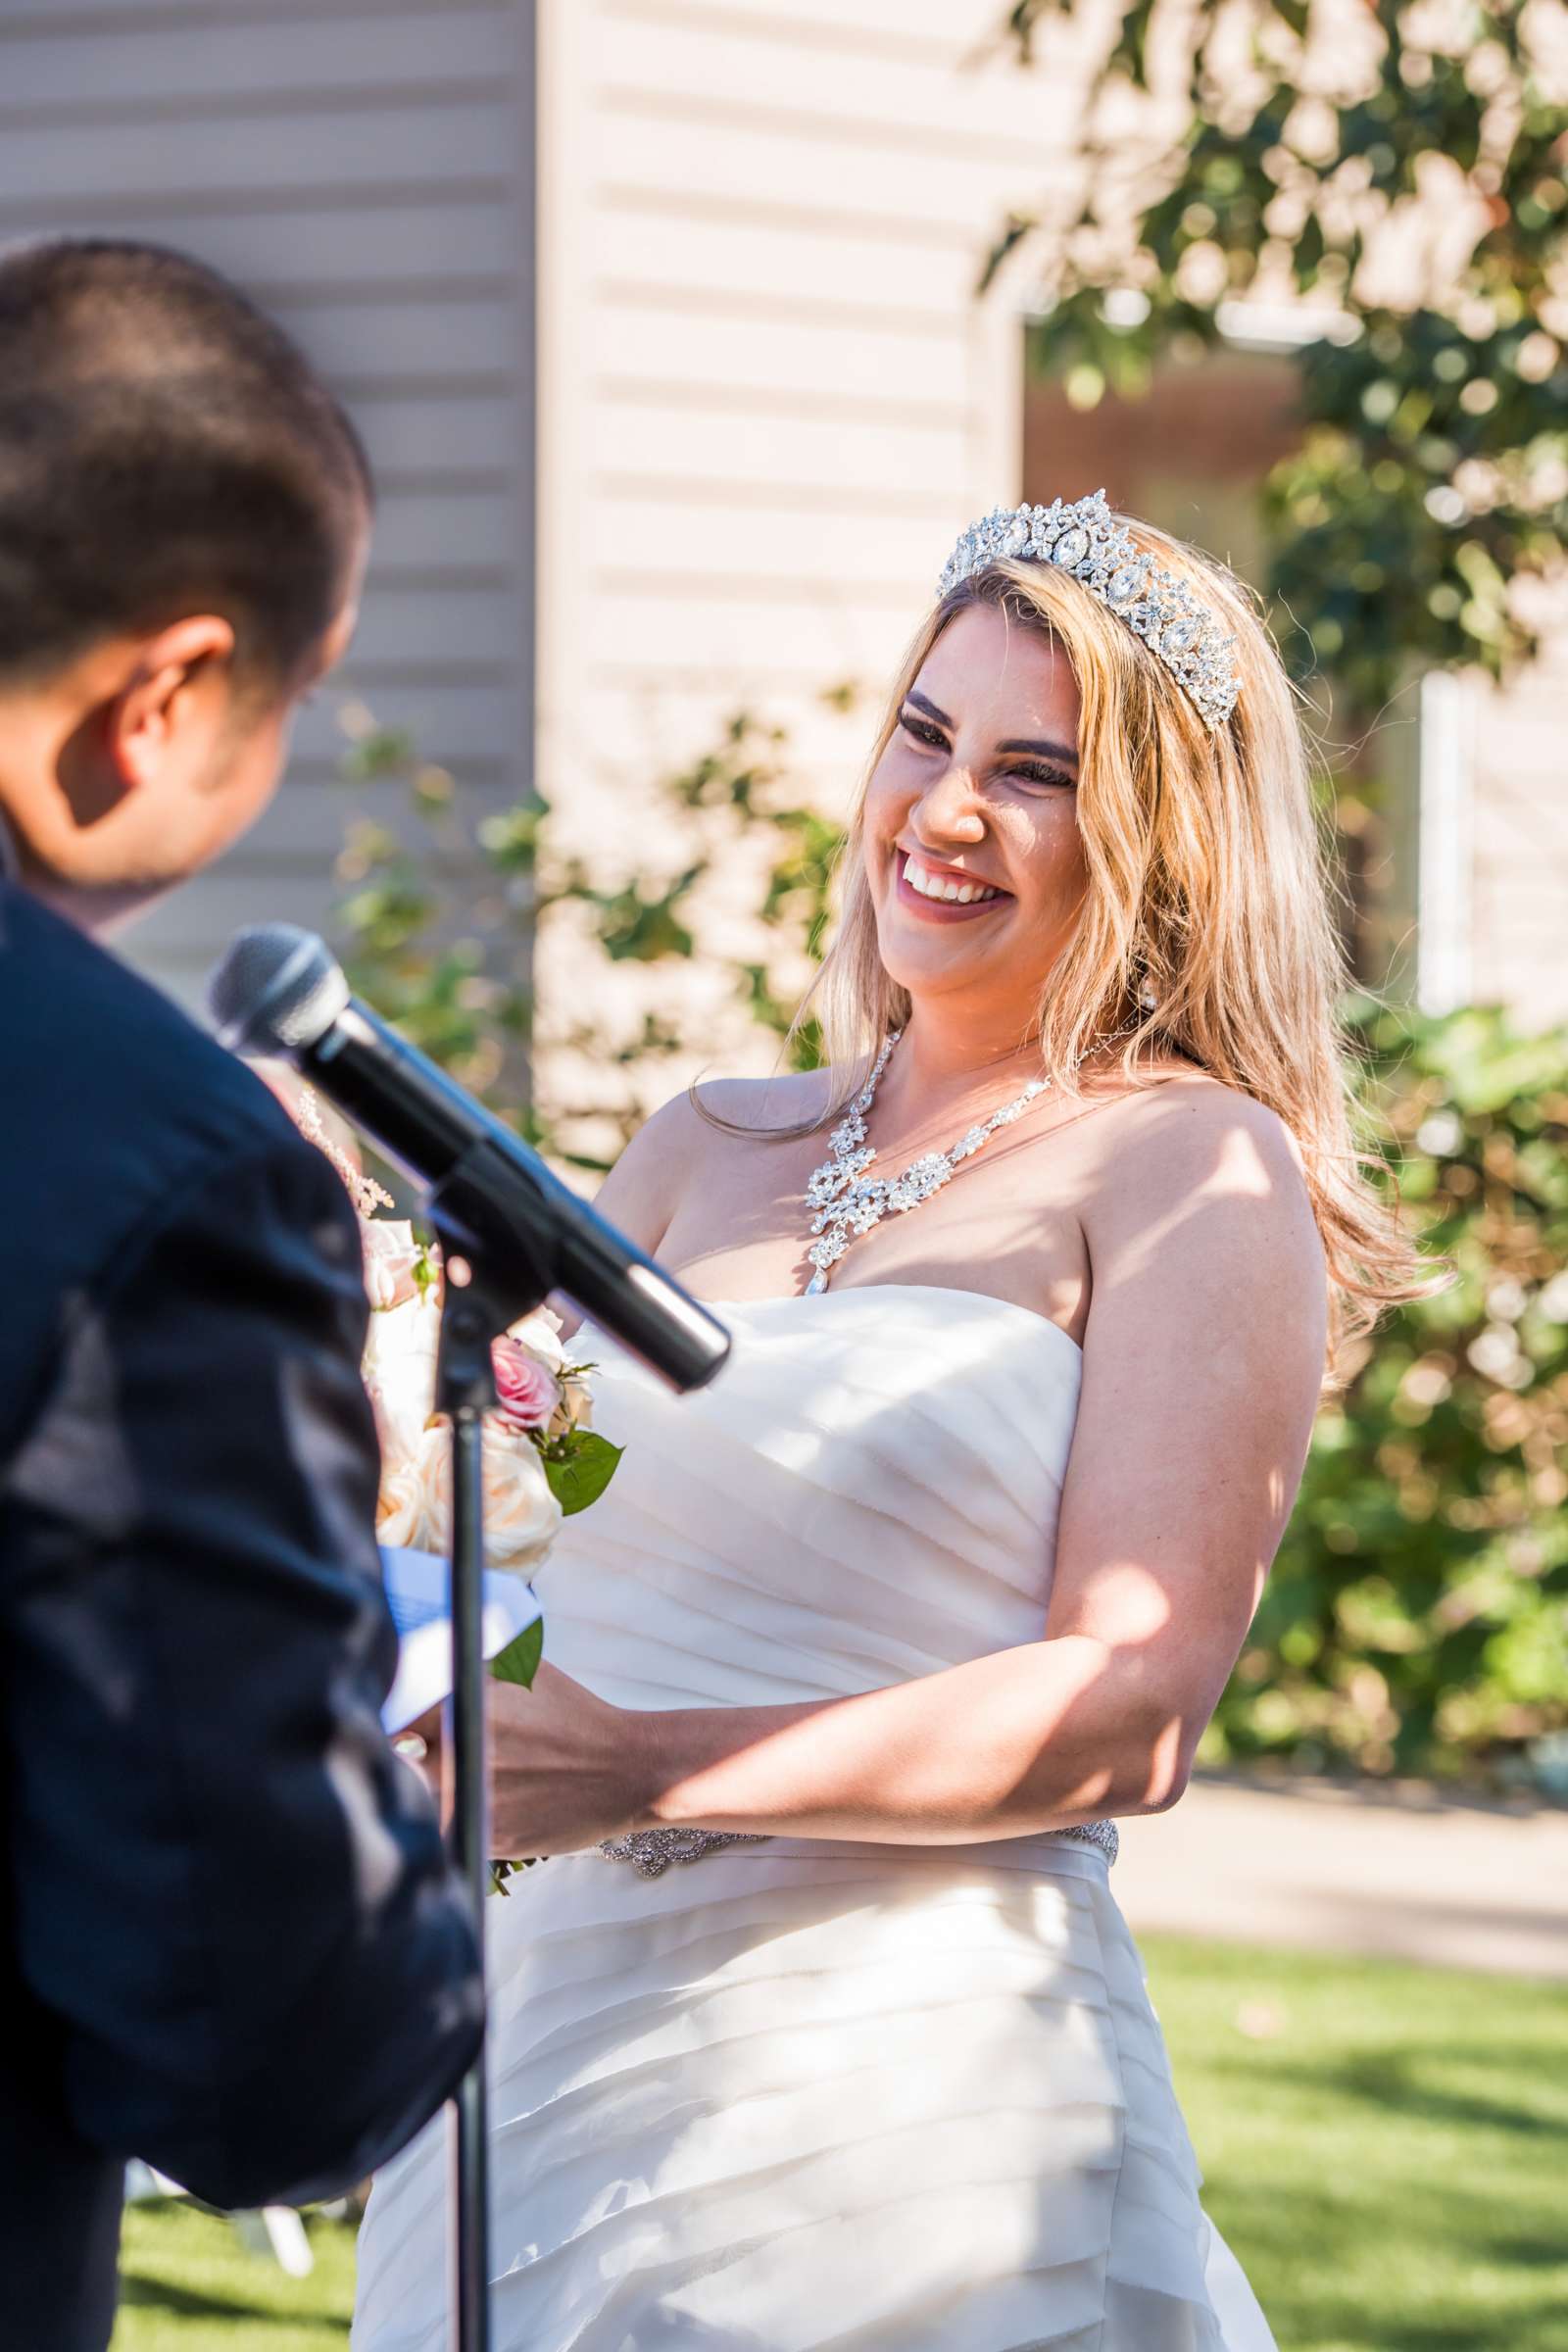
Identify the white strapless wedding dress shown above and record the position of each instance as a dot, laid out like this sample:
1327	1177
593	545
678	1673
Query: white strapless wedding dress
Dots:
802	2094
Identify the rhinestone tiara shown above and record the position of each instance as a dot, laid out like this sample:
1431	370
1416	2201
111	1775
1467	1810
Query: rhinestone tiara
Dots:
1159	606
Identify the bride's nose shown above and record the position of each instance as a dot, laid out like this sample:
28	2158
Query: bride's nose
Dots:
950	808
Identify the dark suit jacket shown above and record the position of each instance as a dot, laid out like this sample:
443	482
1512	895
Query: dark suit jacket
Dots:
229	1941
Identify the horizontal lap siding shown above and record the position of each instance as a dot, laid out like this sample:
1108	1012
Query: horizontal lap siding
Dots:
770	397
364	168
773	399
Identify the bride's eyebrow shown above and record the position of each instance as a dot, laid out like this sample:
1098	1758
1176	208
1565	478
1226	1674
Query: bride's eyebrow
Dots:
1052	750
924	702
1019	743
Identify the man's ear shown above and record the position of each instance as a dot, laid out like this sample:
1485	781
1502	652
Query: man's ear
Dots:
160	698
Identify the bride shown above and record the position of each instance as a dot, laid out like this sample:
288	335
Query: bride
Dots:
821	2025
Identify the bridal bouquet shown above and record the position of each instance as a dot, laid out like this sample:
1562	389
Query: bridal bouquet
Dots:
543	1460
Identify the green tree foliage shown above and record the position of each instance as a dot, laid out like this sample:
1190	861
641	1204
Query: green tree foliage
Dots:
1235	149
1416	1617
450	962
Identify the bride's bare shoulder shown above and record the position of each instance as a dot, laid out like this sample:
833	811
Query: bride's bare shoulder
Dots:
760	1104
678	1150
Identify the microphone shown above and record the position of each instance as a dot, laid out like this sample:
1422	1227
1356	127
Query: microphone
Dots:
278	990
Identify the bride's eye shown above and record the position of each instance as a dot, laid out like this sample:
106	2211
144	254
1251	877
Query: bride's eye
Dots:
1031	771
922	730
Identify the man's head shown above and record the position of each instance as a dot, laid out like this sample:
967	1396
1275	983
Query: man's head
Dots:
185	512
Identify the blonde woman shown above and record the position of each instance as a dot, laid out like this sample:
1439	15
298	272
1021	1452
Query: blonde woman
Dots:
822	2026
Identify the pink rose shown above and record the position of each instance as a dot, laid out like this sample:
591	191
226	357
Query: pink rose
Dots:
528	1395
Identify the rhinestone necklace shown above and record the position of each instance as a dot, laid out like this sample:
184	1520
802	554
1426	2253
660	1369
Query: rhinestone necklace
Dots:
846	1207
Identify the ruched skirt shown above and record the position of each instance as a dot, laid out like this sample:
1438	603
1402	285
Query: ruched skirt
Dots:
797	2095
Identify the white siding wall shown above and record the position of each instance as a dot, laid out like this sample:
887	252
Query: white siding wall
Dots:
364	168
1519	831
770	399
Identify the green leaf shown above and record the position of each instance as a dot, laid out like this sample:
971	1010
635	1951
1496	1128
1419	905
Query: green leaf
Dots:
519	1662
586	1470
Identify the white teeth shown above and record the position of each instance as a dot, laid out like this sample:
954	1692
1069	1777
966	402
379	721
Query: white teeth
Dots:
941	886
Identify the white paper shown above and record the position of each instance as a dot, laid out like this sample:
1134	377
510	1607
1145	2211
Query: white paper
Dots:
416	1590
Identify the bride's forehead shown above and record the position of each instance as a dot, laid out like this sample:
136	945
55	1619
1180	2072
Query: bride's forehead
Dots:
985	665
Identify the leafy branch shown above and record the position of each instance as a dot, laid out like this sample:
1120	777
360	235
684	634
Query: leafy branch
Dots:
1399	174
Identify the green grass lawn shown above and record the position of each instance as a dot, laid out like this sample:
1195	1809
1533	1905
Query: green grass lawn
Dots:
1385	2147
1386	2150
186	2284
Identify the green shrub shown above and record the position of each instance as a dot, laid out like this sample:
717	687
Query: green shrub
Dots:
1416	1617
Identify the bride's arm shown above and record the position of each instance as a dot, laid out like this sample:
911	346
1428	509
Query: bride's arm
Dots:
1203	1359
641	1191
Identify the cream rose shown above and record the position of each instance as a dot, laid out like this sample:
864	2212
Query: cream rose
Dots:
400	1373
522	1515
540	1333
391	1258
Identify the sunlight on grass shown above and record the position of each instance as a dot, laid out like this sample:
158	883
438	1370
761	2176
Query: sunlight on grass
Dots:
1384	2147
186	2284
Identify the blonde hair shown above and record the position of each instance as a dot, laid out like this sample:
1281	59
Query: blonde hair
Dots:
1208	892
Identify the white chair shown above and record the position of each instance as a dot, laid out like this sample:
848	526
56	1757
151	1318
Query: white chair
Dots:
274	2230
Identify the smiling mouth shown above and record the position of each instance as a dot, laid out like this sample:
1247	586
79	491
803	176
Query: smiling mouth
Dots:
988	894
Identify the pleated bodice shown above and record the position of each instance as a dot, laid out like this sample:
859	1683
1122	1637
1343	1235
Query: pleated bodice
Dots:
866	1493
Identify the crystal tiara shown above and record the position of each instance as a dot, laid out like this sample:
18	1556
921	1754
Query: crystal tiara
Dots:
1087	541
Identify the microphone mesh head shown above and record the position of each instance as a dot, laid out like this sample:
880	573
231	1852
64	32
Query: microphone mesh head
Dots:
276	991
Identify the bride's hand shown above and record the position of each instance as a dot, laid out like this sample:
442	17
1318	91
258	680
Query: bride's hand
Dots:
566	1768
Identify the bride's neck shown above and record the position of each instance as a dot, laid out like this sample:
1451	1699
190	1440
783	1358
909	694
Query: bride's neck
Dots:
933	1071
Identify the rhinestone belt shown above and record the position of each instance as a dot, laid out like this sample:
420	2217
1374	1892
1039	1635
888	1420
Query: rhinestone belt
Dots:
652	1851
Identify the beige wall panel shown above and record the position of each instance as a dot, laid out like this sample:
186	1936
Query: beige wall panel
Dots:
810	209
96	16
303	831
299	252
941	29
775	160
330	153
781	357
661	251
895	102
241	67
642	731
1519	828
691	541
438	434
453	723
446	526
453	628
730	633
388	342
871	450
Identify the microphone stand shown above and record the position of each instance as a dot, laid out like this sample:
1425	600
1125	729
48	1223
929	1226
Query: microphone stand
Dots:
485	1289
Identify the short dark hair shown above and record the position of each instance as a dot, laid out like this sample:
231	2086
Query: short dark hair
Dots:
165	449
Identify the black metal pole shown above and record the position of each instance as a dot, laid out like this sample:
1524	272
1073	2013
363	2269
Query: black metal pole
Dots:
471	1851
498	1268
